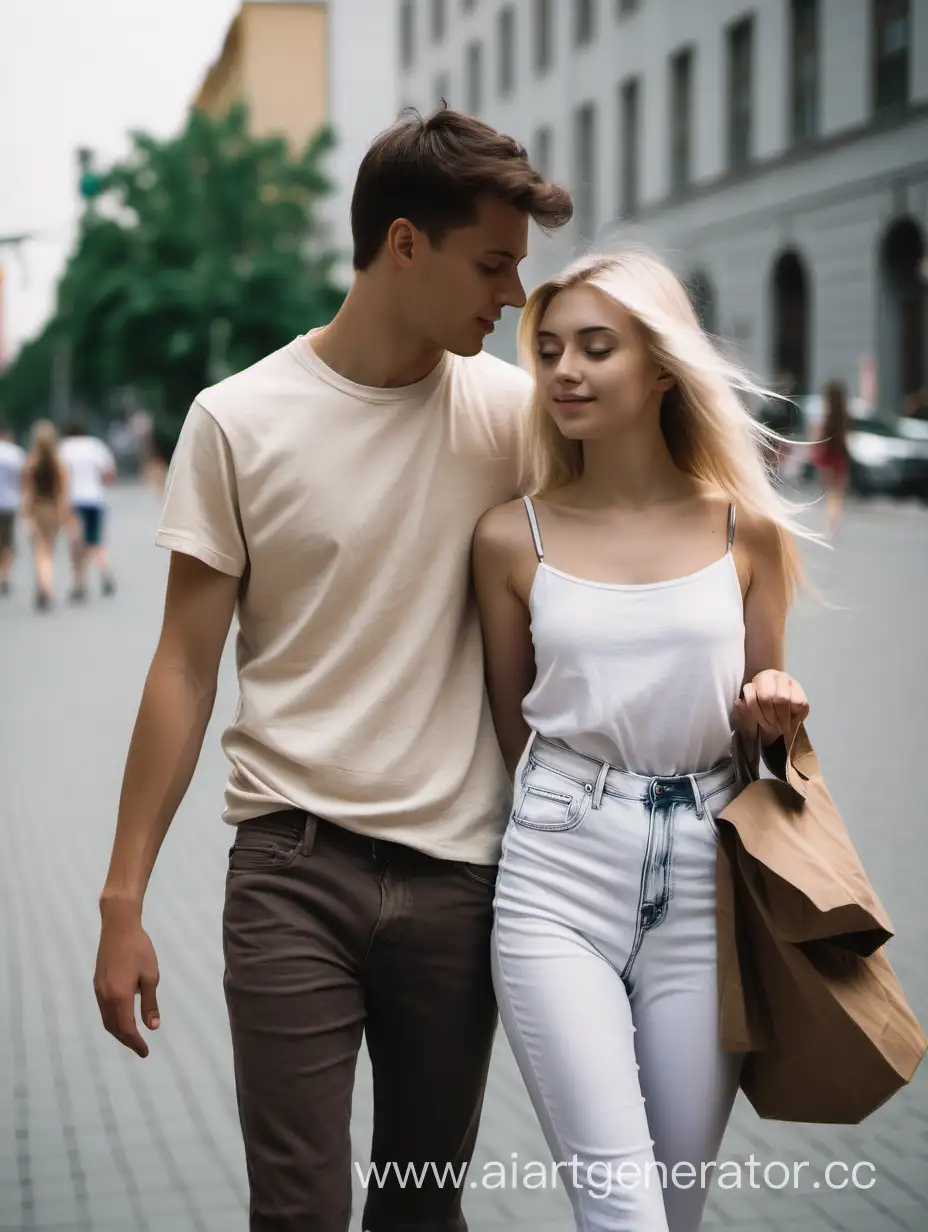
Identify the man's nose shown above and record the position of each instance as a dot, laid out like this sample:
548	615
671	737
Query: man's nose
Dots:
514	293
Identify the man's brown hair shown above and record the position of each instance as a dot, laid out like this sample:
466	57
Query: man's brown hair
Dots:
434	170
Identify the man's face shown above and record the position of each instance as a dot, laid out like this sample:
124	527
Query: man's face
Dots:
458	290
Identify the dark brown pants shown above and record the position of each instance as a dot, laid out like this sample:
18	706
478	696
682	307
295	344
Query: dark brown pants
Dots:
329	936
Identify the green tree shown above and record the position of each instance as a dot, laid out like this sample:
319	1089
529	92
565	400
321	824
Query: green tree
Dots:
199	255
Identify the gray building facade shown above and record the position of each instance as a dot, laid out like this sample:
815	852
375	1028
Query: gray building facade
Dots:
775	152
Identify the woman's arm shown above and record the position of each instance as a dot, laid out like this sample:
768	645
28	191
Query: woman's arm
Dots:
772	700
509	656
64	496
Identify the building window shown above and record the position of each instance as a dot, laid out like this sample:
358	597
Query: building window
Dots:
442	90
681	119
629	108
740	90
892	40
474	77
507	50
542	145
585	177
804	121
584	21
439	15
407	33
544	40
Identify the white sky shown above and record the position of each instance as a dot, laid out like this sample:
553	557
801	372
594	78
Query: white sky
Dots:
83	73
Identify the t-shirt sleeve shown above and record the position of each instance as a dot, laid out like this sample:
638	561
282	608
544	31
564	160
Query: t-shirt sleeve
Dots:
521	430
517	418
107	458
201	513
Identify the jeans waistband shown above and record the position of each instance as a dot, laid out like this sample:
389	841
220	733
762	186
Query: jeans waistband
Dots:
319	829
599	777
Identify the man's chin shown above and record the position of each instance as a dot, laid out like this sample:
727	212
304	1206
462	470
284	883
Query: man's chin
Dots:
465	347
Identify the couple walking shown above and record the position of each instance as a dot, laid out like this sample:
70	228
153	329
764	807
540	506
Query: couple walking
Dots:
424	654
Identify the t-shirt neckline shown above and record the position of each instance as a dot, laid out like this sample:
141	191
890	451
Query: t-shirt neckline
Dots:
302	349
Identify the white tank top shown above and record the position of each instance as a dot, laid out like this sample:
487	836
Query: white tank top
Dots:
644	677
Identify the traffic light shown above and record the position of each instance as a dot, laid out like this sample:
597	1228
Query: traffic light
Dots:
90	184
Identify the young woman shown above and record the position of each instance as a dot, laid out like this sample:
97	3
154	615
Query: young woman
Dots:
633	612
45	505
831	455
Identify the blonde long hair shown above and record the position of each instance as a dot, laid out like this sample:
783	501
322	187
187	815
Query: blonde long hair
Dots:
708	429
43	459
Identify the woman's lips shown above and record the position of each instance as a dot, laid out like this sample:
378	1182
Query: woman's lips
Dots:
573	404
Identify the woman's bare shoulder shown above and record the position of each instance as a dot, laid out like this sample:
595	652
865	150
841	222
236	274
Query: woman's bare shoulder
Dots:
502	528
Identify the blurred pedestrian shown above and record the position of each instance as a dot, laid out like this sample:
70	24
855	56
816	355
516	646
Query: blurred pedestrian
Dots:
45	506
12	459
629	631
91	468
830	455
328	494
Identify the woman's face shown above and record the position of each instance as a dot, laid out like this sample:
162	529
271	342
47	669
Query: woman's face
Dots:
595	373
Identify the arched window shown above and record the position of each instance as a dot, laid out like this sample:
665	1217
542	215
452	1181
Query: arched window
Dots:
903	338
790	323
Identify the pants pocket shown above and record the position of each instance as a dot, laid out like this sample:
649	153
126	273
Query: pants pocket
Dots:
549	801
264	845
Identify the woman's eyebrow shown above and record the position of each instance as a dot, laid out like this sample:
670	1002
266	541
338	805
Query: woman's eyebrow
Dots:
587	329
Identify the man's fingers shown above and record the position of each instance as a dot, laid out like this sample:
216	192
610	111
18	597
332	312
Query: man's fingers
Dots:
127	1031
149	1005
119	1019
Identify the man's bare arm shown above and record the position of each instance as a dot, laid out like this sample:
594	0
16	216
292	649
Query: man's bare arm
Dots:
176	706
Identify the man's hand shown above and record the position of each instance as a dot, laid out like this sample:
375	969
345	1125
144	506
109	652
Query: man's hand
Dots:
126	965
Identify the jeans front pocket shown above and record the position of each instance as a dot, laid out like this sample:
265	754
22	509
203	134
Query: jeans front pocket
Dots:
264	846
548	801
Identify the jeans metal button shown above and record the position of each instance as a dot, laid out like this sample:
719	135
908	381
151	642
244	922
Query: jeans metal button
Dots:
587	787
658	789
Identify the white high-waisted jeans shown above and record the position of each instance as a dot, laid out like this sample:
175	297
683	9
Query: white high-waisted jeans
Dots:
604	962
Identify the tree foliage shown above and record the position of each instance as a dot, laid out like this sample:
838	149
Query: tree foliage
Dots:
199	256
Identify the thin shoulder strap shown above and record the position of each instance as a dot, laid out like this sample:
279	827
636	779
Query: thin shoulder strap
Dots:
533	522
731	525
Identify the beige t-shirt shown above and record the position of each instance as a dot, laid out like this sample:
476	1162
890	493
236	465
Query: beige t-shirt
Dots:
348	512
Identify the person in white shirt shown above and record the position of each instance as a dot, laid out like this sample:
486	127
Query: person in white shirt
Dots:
12	457
91	468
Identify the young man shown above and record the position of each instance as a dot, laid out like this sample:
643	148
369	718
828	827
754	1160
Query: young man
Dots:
91	469
12	458
330	492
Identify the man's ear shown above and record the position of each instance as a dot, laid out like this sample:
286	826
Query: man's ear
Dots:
402	238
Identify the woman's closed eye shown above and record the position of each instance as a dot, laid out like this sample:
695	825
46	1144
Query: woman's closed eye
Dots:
593	353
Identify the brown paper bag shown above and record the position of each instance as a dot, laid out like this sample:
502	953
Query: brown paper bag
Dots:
804	986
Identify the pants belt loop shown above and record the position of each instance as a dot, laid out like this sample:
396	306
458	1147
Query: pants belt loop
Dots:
697	797
310	826
600	785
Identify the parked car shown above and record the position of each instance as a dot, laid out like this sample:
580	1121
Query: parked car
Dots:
887	457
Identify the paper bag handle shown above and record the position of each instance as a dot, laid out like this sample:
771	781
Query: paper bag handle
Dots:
794	765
